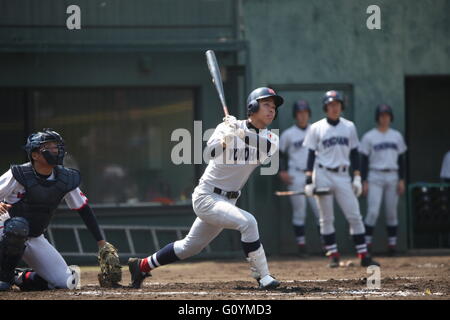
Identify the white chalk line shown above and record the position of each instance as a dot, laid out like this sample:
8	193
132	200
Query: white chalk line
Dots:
363	292
262	293
150	284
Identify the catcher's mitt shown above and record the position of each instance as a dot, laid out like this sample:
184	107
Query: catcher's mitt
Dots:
110	269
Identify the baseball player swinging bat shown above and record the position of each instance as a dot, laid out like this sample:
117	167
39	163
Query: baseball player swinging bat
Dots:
317	191
216	78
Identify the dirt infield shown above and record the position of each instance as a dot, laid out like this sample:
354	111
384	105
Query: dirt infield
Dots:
407	277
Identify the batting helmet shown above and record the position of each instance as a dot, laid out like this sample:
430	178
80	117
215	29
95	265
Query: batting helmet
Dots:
261	93
35	140
330	96
300	105
383	108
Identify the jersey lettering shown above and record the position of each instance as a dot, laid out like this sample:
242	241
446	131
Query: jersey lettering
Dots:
327	143
385	146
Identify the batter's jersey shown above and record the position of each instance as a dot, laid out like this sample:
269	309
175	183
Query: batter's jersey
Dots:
231	173
332	144
445	169
291	143
11	191
382	148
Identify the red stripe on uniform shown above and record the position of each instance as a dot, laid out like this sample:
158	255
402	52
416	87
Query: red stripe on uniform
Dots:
84	205
144	266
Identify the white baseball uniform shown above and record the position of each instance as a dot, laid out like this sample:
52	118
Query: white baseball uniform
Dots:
291	143
216	212
39	254
382	150
332	145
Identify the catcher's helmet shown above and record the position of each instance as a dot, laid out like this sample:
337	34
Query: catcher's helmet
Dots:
300	105
261	93
330	96
383	108
35	140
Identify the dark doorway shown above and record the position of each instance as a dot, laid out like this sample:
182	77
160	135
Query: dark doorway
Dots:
428	139
427	125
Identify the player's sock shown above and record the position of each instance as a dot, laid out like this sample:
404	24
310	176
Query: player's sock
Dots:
250	246
330	244
299	232
392	236
258	263
360	244
369	234
164	256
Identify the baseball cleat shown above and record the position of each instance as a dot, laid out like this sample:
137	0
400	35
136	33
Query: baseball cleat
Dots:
334	262
137	276
367	261
268	282
392	252
302	253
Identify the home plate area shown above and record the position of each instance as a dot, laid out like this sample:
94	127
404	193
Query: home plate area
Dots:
405	277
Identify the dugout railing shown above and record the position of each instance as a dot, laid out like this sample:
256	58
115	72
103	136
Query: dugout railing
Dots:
128	230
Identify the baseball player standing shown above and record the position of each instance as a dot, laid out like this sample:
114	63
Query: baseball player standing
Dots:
214	199
293	157
382	169
333	146
30	194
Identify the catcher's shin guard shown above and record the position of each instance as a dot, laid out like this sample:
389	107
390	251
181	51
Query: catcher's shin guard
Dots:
28	280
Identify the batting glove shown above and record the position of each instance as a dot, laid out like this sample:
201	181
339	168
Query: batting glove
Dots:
230	133
357	186
230	121
309	187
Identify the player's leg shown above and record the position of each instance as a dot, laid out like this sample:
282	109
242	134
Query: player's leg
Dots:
224	213
199	236
12	246
298	211
390	206
50	270
374	197
321	179
312	201
350	207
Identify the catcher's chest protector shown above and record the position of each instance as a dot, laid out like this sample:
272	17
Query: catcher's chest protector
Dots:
42	197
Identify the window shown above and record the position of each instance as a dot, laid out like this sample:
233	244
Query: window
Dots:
119	138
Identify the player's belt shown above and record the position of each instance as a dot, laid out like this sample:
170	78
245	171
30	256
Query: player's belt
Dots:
300	170
228	194
337	169
385	170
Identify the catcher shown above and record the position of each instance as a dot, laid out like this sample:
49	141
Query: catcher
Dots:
29	196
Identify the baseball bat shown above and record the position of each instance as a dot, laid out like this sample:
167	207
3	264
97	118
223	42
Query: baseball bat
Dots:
317	192
214	70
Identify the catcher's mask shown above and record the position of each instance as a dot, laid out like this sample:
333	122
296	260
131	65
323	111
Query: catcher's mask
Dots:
36	140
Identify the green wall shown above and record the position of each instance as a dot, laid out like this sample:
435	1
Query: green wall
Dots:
302	43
